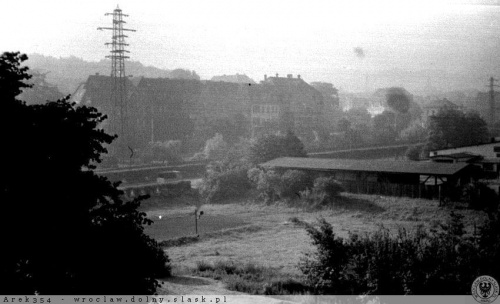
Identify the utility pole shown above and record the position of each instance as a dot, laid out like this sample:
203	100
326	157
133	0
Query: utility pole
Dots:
492	101
119	78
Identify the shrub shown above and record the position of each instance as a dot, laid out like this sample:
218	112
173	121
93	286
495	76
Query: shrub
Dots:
479	196
267	183
273	146
204	266
227	177
222	183
326	188
444	261
272	186
293	182
285	287
215	148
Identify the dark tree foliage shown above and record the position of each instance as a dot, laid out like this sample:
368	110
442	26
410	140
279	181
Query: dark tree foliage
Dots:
65	230
12	76
398	99
453	128
273	146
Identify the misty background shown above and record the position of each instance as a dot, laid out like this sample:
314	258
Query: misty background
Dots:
425	46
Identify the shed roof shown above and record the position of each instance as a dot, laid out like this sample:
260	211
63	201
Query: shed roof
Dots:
386	166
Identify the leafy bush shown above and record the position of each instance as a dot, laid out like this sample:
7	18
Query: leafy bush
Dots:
479	196
293	182
267	183
273	146
326	188
203	266
444	261
215	148
227	177
222	183
273	186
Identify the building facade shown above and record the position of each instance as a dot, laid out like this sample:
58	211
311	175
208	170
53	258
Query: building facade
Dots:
160	109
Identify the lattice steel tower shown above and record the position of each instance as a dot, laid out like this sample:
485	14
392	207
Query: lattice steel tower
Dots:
119	78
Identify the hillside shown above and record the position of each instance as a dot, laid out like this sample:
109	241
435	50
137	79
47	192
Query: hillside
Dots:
68	72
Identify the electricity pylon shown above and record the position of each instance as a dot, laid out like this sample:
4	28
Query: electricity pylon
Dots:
119	78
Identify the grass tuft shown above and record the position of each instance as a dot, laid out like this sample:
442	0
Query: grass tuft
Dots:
251	278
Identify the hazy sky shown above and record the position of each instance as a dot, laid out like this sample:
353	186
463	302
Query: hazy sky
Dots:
335	41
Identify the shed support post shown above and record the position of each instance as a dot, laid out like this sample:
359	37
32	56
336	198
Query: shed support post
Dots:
439	195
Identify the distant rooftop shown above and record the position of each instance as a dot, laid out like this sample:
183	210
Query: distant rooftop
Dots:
386	166
281	80
493	140
458	155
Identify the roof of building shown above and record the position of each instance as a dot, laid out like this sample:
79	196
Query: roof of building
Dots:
458	155
386	166
493	141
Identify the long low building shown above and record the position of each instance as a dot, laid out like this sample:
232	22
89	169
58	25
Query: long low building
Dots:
393	177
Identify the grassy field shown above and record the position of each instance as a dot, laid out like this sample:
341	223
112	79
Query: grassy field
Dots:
273	235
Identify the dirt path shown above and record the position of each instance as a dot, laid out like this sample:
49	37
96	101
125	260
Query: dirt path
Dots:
184	285
191	285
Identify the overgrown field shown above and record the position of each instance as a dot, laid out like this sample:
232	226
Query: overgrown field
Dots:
247	232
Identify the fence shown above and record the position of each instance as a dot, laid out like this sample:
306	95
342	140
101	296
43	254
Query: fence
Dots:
391	189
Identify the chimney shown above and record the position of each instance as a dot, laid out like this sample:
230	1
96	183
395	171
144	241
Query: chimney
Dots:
265	77
298	76
289	76
97	74
277	75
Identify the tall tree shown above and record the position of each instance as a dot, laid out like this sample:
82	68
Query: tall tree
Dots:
65	230
452	128
273	146
398	99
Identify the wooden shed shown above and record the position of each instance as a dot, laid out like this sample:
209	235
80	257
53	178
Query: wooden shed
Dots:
389	177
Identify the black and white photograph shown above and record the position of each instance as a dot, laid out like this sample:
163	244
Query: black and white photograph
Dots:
231	151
